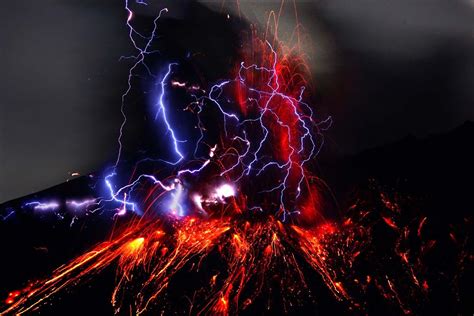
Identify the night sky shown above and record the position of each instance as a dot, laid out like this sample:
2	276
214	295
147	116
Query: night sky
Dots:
384	69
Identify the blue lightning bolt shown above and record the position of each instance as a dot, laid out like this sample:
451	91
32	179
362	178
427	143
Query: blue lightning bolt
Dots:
250	158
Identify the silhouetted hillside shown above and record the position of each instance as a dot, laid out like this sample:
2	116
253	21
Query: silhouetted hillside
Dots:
439	167
433	175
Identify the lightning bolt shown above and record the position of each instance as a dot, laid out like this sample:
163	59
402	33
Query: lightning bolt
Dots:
251	160
43	206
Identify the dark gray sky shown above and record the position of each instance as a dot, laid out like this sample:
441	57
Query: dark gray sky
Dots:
56	57
384	69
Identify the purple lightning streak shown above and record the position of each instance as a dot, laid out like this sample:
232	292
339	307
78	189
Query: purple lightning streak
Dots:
123	194
200	126
205	163
239	156
249	159
142	52
82	204
113	195
246	160
10	211
212	98
162	109
43	206
252	153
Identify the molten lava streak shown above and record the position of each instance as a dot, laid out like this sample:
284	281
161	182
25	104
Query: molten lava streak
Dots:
150	253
